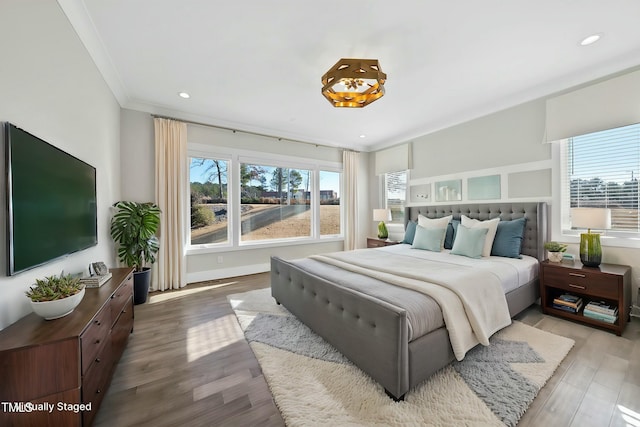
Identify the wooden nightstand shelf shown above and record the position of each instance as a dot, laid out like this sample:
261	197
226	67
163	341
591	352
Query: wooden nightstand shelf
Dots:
374	242
609	282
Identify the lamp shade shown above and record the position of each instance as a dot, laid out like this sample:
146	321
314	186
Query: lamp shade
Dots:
590	248
596	218
382	214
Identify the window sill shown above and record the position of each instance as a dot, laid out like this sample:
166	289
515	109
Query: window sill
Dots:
606	241
198	250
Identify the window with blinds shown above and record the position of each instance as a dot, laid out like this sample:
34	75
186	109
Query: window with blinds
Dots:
602	171
395	184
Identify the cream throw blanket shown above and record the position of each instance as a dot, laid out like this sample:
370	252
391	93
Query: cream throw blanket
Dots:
473	303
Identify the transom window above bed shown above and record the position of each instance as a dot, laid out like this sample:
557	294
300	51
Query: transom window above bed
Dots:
601	170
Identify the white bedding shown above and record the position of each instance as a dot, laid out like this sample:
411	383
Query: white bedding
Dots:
472	300
512	272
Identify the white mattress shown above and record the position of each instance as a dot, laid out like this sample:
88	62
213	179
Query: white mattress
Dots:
512	272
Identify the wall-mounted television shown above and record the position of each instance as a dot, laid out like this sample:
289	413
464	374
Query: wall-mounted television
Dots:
51	201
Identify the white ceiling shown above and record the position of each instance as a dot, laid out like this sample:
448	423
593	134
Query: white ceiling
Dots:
256	65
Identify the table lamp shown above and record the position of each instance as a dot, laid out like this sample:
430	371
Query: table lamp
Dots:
597	218
382	215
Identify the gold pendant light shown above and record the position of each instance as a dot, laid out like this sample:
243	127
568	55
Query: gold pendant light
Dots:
353	83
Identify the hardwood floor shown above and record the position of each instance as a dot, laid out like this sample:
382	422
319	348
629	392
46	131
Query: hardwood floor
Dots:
187	364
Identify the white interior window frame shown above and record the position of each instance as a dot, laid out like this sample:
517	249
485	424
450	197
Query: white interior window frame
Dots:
383	194
238	156
560	214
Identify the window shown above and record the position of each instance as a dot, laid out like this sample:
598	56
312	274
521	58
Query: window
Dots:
275	202
330	212
395	186
239	199
602	171
208	205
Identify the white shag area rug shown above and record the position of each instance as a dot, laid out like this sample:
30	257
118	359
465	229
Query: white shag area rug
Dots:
313	384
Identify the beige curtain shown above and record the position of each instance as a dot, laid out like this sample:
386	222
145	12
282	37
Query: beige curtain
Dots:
350	172
172	193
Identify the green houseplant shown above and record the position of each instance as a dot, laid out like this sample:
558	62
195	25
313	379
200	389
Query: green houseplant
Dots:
555	250
55	296
133	227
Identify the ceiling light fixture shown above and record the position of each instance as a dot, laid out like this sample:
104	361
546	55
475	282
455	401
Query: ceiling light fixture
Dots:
184	95
590	39
353	83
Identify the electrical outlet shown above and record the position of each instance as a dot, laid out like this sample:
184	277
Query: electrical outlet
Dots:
220	259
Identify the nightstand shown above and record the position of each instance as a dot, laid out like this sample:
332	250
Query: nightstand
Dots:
610	283
374	242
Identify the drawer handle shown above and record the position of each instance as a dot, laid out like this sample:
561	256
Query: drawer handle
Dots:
97	341
98	391
577	286
577	275
97	322
97	360
113	296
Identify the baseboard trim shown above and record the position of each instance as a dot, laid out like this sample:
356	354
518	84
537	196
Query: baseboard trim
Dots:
223	273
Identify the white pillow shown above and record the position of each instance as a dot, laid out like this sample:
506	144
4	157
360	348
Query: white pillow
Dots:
490	224
442	223
425	222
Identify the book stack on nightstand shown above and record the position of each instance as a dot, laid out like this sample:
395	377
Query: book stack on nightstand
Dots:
568	302
601	310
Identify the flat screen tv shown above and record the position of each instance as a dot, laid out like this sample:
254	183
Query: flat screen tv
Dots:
51	202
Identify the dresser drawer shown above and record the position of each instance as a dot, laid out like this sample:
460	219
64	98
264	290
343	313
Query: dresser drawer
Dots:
95	382
122	329
120	298
93	338
581	281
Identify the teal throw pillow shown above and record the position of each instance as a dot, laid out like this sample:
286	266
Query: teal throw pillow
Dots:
508	240
429	239
469	241
451	233
410	232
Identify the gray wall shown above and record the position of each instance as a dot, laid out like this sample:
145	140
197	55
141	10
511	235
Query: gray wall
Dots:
51	88
508	137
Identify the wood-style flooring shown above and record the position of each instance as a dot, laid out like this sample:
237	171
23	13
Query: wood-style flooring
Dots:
187	364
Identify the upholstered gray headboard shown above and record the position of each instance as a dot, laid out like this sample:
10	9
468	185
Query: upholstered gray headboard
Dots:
536	231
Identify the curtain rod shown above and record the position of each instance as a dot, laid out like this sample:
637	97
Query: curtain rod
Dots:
250	132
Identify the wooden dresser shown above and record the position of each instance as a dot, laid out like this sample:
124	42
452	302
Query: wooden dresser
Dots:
55	372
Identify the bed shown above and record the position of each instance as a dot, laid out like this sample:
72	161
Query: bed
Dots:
374	323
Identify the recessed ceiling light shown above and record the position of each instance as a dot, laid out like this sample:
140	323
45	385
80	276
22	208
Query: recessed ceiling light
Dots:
363	136
184	95
590	39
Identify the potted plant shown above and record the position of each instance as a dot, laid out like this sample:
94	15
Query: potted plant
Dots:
55	296
133	228
555	250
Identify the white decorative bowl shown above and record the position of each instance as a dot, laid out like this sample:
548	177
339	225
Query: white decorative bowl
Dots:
57	308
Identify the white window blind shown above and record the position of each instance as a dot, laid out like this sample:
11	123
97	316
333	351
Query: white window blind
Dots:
395	184
602	171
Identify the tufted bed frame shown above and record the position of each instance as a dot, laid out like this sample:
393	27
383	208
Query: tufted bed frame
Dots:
372	333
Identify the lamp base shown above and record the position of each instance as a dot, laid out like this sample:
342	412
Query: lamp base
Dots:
590	249
382	231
